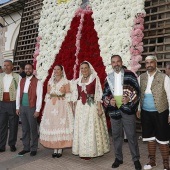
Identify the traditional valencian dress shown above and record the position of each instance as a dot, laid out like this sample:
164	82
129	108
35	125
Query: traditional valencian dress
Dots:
90	131
56	128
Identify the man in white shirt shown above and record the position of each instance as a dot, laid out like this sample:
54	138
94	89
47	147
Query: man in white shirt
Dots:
8	88
120	100
28	105
155	107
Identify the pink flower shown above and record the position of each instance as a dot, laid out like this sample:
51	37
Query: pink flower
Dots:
134	43
138	39
38	39
37	45
37	52
137	45
139	33
132	34
141	15
136	58
134	51
138	21
138	26
83	11
140	48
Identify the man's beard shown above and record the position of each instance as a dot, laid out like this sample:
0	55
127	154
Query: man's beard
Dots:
150	69
28	74
117	68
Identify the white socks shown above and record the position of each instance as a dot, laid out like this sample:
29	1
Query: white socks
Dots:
58	151
55	150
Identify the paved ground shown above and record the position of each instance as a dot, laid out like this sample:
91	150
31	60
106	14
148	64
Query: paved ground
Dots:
44	161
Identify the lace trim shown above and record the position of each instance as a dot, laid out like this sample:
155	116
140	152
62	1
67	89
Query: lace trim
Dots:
56	138
55	88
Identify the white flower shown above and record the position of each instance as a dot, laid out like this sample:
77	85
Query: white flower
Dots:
113	22
53	26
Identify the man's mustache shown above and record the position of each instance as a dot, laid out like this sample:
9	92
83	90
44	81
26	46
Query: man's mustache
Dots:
149	67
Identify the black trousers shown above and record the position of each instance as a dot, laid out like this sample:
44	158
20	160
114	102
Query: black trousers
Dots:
8	117
155	126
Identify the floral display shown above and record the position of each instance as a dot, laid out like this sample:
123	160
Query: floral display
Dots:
81	13
84	35
37	51
137	44
53	27
113	22
68	50
69	35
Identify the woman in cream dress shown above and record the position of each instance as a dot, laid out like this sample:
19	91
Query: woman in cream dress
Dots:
56	128
90	130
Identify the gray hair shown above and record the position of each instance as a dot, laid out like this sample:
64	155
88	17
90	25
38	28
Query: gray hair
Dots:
9	61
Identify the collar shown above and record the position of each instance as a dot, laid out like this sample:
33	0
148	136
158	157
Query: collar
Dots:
152	74
122	71
8	75
29	77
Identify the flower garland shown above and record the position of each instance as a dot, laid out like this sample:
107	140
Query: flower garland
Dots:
53	27
89	47
80	12
113	22
137	44
37	51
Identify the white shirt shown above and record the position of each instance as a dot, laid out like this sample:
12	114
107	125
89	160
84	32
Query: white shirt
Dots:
166	86
39	92
149	83
7	79
118	88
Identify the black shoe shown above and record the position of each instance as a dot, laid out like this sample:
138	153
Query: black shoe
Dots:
126	140
2	150
23	152
13	148
33	153
54	155
117	163
137	165
59	155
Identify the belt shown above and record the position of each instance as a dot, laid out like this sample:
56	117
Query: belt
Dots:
55	95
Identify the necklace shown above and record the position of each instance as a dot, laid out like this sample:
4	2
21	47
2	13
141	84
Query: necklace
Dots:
85	78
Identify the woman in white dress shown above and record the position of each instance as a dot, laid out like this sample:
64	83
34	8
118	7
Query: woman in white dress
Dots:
90	130
56	128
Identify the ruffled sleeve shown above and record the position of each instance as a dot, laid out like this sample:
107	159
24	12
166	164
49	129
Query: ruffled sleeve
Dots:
67	92
74	91
98	91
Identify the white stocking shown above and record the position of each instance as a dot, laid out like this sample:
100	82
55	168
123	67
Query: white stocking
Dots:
60	151
55	150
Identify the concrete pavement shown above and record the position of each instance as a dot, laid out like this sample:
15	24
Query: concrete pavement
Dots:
44	161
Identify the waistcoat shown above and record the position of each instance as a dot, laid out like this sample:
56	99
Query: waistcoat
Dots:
32	96
157	89
12	88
